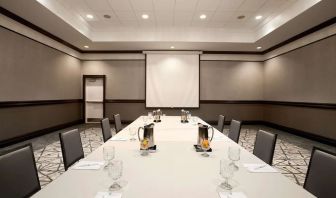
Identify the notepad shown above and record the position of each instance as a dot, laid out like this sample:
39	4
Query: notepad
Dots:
232	195
88	165
118	139
260	168
108	195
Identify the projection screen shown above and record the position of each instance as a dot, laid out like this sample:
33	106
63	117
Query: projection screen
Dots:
172	80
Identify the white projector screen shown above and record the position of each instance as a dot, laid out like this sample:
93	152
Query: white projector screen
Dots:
172	80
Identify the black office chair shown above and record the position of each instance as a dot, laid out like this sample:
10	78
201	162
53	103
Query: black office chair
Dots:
234	132
321	174
220	125
264	146
106	129
18	173
117	123
72	149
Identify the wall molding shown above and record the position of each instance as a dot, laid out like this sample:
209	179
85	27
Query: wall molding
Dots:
233	55
38	133
11	104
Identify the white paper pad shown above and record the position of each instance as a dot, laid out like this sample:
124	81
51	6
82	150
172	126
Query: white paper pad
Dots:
108	195
260	168
119	139
232	195
88	165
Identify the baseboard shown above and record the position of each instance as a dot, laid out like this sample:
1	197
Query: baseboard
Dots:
38	133
301	133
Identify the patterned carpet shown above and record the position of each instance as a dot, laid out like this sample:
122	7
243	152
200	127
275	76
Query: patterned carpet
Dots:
292	153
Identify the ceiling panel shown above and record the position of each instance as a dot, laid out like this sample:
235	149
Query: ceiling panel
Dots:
98	5
164	5
142	5
118	5
185	5
209	5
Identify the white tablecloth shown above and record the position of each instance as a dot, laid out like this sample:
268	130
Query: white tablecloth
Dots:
175	170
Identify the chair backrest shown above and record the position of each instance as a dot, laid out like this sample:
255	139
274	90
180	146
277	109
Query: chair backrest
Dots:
106	129
117	123
220	125
234	130
72	149
18	173
264	146
321	174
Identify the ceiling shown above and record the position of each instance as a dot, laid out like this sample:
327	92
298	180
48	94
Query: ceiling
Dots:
173	22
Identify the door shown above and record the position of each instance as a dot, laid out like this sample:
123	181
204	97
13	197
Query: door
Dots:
94	98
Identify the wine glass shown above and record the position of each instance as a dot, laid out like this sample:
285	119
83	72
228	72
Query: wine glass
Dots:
132	132
205	145
194	120
108	155
115	173
234	155
150	115
144	119
226	171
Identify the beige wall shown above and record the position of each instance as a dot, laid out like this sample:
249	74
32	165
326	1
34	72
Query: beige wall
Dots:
307	74
304	75
32	71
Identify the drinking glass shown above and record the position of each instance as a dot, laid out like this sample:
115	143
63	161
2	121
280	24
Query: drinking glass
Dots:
234	155
150	115
132	132
115	173
108	155
144	146
144	119
205	145
226	171
189	116
194	120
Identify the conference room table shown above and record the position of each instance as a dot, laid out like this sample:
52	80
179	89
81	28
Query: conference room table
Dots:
174	170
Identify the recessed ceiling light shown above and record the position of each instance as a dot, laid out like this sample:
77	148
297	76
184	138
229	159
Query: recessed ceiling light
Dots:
241	17
259	48
203	16
89	16
258	17
172	47
106	16
86	46
145	16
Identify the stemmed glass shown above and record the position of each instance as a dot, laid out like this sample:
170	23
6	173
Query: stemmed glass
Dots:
144	119
108	155
150	115
115	173
132	132
234	155
226	171
205	145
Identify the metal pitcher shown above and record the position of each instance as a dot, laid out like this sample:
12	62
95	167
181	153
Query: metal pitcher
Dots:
148	132
203	133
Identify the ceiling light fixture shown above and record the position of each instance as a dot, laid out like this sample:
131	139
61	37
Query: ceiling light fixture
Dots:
86	46
259	48
172	47
241	17
89	16
145	16
258	17
203	16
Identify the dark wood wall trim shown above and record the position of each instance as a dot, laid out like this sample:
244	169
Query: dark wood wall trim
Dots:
124	101
41	132
260	102
10	104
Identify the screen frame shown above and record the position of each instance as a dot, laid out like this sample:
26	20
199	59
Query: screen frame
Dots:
199	88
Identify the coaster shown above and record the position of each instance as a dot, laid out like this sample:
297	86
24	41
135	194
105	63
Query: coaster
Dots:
199	149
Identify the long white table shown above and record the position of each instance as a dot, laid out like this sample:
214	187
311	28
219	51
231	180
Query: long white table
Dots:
175	170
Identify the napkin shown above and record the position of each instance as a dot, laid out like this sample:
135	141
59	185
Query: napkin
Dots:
88	165
260	168
108	195
118	139
232	195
